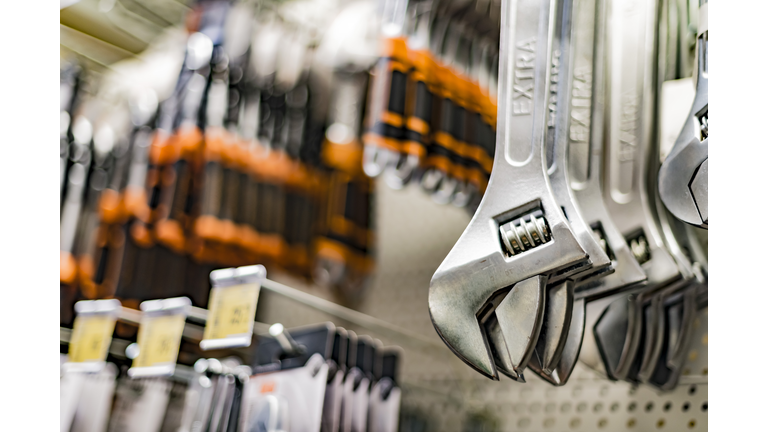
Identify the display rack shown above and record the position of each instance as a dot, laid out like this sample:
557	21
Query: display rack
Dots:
413	236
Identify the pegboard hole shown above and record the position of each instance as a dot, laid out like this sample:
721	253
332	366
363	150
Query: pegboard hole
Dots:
602	423
704	339
691	424
598	407
693	355
686	405
576	422
631	423
631	407
549	422
692	390
660	424
581	407
704	407
614	407
523	422
704	371
686	371
649	407
535	407
549	408
604	390
667	406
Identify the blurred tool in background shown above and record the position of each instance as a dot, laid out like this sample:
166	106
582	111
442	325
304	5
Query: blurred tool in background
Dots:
241	163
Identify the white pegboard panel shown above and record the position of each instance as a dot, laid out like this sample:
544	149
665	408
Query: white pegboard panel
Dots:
441	393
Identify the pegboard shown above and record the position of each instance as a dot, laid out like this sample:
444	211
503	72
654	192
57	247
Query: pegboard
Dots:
442	394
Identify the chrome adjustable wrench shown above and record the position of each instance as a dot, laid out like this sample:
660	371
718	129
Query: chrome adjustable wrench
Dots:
559	301
582	111
683	176
486	299
668	329
630	80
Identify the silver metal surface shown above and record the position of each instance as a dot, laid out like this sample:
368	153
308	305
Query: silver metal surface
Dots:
683	176
477	267
570	352
585	146
557	321
629	137
442	397
558	133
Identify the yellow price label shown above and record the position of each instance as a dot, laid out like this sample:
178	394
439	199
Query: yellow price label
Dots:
159	339
231	313
91	337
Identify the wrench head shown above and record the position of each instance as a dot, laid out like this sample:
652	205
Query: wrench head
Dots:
700	191
683	175
613	333
683	183
512	335
570	353
557	321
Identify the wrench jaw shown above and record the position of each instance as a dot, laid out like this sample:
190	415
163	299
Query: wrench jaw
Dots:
465	295
683	176
570	354
556	325
617	333
654	321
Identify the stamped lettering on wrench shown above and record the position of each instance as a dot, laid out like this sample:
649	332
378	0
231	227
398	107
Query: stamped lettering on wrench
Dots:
524	77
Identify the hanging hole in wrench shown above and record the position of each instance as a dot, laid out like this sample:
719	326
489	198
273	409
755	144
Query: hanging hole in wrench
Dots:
638	245
526	230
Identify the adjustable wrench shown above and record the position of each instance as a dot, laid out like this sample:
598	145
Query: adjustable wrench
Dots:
683	175
630	79
580	102
497	272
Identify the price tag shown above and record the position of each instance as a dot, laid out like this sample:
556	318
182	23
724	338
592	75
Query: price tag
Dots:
92	334
159	337
232	307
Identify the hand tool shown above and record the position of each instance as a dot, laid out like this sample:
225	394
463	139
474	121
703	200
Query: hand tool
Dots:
344	252
382	139
683	175
497	272
418	98
77	183
630	81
